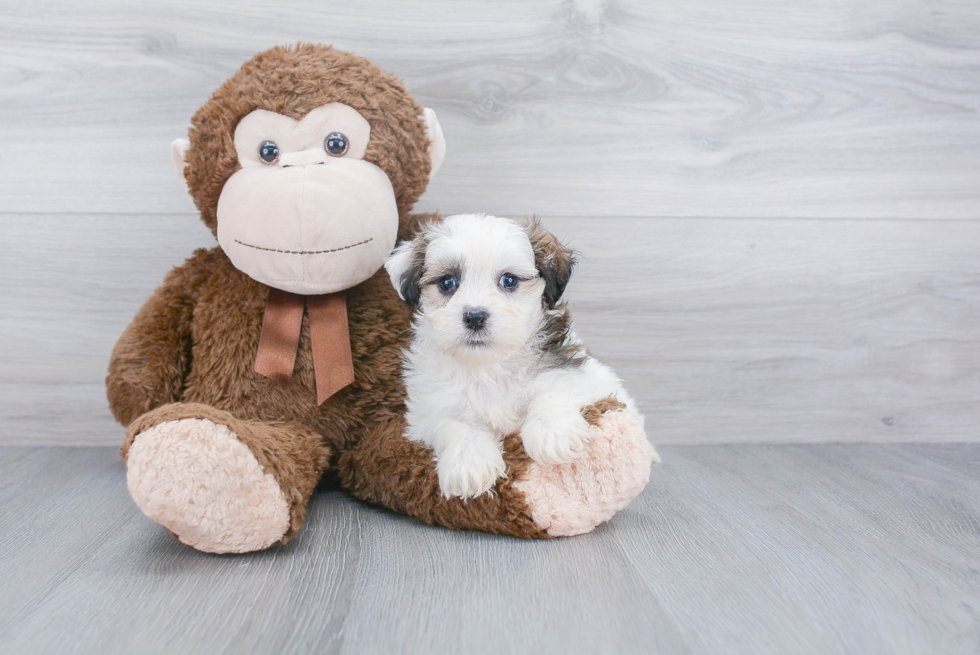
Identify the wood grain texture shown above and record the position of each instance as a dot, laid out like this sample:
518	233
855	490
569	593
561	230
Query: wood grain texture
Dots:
69	286
666	134
786	331
739	549
578	108
725	330
827	549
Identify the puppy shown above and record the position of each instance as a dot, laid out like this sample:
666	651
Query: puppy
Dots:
493	351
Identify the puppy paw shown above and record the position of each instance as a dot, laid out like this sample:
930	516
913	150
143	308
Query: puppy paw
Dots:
470	467
555	434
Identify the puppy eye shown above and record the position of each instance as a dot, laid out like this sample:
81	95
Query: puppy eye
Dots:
447	284
508	282
269	152
336	144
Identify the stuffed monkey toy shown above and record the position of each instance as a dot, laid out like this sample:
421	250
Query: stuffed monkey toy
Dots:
264	363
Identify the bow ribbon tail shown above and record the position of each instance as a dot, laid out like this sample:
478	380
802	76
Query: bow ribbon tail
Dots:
279	340
330	338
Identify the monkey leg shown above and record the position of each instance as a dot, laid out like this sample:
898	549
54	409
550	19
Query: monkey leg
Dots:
218	483
534	501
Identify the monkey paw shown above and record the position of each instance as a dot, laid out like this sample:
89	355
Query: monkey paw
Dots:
195	478
614	467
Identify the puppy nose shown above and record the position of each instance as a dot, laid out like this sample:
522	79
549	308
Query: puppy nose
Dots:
475	319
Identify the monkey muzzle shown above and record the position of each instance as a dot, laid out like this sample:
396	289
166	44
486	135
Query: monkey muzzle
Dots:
311	225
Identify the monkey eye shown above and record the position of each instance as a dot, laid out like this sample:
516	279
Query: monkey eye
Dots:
447	284
269	152
336	144
508	282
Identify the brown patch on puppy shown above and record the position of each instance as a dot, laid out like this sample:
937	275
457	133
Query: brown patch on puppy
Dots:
555	342
411	283
553	260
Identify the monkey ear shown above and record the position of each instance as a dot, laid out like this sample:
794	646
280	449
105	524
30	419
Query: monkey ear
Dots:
405	266
553	260
178	150
437	142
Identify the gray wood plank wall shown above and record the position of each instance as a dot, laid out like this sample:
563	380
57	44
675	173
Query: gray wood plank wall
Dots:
778	203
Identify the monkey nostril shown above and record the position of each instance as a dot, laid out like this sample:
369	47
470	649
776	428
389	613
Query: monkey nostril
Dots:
475	319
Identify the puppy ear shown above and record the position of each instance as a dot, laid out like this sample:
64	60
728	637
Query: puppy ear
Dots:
405	266
553	260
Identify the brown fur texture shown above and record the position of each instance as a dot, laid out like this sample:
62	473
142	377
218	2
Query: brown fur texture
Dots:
556	343
189	352
294	454
292	82
412	486
593	413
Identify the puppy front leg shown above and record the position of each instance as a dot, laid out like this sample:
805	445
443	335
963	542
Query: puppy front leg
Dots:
554	432
468	460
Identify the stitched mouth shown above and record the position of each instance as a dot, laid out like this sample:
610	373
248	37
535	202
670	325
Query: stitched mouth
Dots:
304	252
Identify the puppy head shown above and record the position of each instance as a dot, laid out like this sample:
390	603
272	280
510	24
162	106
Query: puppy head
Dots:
481	283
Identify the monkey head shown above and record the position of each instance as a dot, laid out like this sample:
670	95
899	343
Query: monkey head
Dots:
306	163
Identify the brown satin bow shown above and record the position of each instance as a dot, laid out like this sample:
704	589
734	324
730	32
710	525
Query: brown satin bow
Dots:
333	366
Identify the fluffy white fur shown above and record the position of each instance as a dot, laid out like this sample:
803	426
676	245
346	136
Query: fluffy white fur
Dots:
468	389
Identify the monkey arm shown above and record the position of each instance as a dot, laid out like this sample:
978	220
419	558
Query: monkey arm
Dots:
153	355
386	468
534	501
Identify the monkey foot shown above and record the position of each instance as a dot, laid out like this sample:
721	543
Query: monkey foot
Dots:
195	478
571	499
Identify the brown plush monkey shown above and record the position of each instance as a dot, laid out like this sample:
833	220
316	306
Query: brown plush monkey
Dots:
264	363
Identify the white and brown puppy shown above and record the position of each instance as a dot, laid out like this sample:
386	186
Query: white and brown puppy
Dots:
493	351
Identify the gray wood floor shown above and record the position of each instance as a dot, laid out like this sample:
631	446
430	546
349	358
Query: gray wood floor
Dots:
731	549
